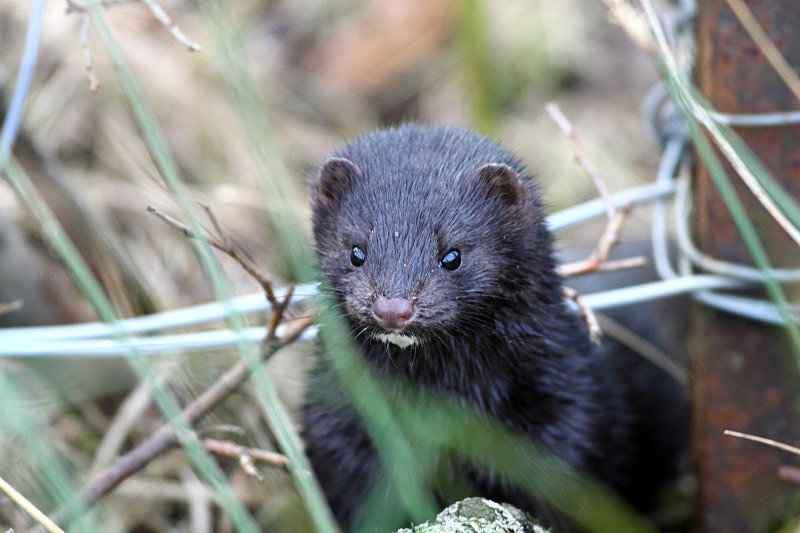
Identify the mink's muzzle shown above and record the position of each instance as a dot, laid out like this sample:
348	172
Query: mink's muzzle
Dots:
392	314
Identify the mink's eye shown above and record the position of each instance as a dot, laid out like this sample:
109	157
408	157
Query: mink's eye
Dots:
451	260
357	256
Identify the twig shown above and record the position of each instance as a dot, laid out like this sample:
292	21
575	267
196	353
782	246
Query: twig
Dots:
215	222
622	264
277	312
225	428
598	259
124	420
29	508
200	515
157	11
222	245
762	440
278	308
245	455
165	437
73	6
580	156
170	25
643	347
8	307
94	83
588	315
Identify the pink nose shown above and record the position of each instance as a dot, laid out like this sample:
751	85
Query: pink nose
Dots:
392	313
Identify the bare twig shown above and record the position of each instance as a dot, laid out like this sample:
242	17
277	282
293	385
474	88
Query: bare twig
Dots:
94	83
215	222
125	418
598	260
277	312
580	156
200	503
762	440
158	12
643	347
245	455
222	245
165	437
622	264
73	6
225	428
8	307
588	315
161	15
28	507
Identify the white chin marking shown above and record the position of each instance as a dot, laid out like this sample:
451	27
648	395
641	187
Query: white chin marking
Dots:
403	341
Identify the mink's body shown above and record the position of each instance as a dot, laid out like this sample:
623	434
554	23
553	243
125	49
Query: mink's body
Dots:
436	246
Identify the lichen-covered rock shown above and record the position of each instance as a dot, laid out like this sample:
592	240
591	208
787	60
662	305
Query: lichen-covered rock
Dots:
479	515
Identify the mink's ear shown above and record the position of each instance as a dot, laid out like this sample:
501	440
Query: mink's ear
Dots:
503	183
335	178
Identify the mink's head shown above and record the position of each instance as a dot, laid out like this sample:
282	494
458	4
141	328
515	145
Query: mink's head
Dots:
425	233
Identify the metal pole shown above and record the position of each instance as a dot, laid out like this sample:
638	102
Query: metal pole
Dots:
744	376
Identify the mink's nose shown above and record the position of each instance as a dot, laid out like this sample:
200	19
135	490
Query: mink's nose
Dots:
392	313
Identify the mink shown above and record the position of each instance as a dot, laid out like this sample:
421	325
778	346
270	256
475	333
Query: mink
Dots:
435	244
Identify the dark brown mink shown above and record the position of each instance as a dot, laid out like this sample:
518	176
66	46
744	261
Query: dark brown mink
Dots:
435	243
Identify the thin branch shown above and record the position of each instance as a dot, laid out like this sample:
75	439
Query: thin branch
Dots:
225	428
165	437
158	12
588	315
598	259
643	347
200	515
94	83
580	156
215	222
222	245
762	440
124	420
278	312
637	261
29	508
235	451
161	15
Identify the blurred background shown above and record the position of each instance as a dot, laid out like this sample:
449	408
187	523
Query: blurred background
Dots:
327	71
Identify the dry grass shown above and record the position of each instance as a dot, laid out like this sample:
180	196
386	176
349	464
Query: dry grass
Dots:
328	70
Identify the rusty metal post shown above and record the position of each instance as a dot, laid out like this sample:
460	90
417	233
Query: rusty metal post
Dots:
744	377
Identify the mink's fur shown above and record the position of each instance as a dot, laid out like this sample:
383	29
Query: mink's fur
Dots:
495	332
